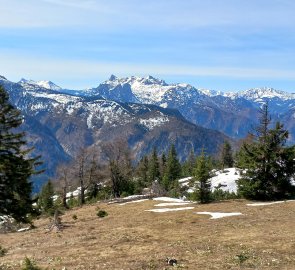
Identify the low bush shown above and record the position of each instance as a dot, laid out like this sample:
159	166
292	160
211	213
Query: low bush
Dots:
3	251
102	213
219	195
30	265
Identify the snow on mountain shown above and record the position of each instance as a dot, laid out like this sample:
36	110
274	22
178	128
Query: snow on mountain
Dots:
152	90
151	123
49	85
45	84
145	90
256	94
211	93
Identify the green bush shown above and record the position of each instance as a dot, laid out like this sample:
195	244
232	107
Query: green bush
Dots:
219	195
30	265
104	194
102	213
73	202
3	251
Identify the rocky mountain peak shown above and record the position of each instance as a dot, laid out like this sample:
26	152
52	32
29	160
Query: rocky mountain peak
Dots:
113	78
265	92
43	83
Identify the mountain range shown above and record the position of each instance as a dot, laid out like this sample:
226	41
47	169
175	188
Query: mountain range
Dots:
147	112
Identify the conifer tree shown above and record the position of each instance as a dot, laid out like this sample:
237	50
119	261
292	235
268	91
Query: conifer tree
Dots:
268	164
189	165
202	175
173	168
45	201
142	171
163	165
227	160
16	167
154	167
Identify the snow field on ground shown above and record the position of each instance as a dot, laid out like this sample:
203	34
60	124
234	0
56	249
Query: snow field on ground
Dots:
162	210
267	203
168	199
216	215
142	200
172	204
224	179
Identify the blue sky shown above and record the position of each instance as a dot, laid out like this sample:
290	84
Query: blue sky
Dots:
215	44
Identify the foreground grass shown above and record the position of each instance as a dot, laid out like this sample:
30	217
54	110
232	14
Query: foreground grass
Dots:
130	238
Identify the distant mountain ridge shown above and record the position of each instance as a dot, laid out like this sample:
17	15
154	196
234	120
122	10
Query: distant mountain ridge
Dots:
232	113
60	124
45	84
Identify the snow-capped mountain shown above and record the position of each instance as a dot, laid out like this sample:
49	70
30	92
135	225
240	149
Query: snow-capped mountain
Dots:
147	111
232	113
60	124
45	84
257	94
147	90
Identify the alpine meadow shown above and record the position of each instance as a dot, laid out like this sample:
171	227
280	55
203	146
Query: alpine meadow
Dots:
184	159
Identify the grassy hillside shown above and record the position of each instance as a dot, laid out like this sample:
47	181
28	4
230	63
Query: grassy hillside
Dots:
132	238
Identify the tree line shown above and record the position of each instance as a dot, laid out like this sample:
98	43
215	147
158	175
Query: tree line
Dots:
265	161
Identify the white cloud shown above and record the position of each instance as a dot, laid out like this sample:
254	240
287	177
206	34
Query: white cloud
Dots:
160	14
34	67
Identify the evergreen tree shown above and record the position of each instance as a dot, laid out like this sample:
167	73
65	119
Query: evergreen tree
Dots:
142	171
117	178
227	160
163	165
16	167
268	164
189	165
202	175
154	167
45	201
173	169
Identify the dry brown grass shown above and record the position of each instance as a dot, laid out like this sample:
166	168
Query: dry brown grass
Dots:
130	238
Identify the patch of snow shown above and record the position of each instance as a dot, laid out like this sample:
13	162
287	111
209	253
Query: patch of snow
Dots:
60	98
172	204
186	179
162	210
226	179
151	123
55	197
132	196
168	199
223	179
5	219
264	203
142	200
24	229
216	215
